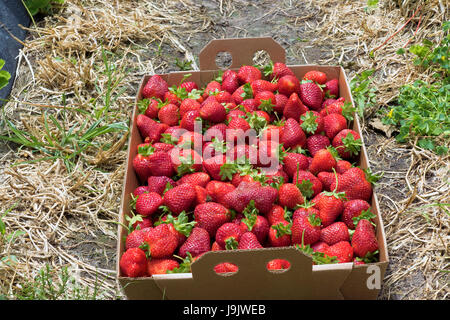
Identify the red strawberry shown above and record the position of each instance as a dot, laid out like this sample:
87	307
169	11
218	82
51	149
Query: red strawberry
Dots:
239	198
148	203
159	183
333	124
311	95
144	224
293	134
364	239
319	246
224	97
347	143
259	86
181	198
249	241
301	176
228	235
217	190
161	242
335	107
294	107
169	114
161	266
196	244
278	264
160	164
316	76
342	250
216	247
265	101
201	195
289	196
161	146
211	88
275	215
140	190
327	102
288	84
217	131
188	120
241	93
136	238
185	160
334	233
311	123
226	267
305	230
172	98
327	179
179	226
357	262
210	216
330	207
317	142
280	234
352	209
342	166
188	105
213	166
189	86
133	263
355	185
250	105
305	211
256	224
141	163
151	109
248	74
214	112
323	160
332	88
277	70
150	128
292	160
238	123
280	103
155	87
230	83
196	178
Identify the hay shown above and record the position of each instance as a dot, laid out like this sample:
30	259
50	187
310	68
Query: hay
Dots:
66	216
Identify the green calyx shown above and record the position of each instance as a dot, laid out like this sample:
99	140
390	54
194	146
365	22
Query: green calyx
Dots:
251	214
372	177
231	243
268	69
132	220
181	223
306	188
185	264
227	170
282	229
314	220
256	122
365	214
309	124
168	138
219	145
351	145
146	150
143	105
248	91
337	195
266	105
348	110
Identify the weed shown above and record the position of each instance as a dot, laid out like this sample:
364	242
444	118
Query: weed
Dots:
363	92
184	65
4	75
41	6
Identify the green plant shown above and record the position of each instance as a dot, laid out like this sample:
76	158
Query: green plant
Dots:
183	64
363	91
41	6
4	75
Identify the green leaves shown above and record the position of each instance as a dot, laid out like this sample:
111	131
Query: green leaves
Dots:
183	64
309	124
4	75
363	91
41	6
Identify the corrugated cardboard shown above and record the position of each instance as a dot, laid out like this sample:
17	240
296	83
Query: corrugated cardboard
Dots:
253	281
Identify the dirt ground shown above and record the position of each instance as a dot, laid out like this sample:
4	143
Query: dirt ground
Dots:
92	236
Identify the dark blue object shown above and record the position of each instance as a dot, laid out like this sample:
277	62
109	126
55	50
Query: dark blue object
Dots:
12	13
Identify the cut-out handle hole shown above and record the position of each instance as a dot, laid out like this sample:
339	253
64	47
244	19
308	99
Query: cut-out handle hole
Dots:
224	60
278	265
226	269
261	58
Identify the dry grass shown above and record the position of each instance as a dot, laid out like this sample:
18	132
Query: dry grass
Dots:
66	216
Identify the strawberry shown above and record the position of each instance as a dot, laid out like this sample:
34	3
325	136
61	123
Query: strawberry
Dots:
162	146
289	196
334	233
141	163
242	93
149	107
185	161
228	235
323	160
254	223
294	107
226	267
316	76
161	242
265	101
335	107
347	143
364	240
146	222
305	229
188	105
276	215
357	262
196	178
148	203
293	134
278	264
317	142
311	123
213	165
211	88
216	247
150	128
136	238
280	234
214	112
172	98
353	209
333	124
249	241
277	70
160	164
326	103
288	84
342	250
342	166
181	198
332	88
239	198
161	266
305	178
217	190
355	185
271	132
305	210
224	97
230	83
238	123
201	195
133	263
327	179
228	73
217	131
330	206
259	86
280	103
188	120
311	95
319	246
140	190
250	105
292	160
196	244
159	183
155	87
248	74
189	86
169	114
179	226
210	216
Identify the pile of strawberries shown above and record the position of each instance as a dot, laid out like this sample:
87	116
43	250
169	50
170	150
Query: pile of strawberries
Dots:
294	183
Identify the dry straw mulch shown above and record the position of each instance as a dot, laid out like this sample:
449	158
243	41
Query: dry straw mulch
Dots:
66	217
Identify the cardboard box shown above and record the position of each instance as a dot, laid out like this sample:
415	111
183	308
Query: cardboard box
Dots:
253	281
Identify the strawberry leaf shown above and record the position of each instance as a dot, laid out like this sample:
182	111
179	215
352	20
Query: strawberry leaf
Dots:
348	110
227	170
305	188
146	150
184	266
268	69
266	105
372	177
143	105
351	145
309	124
195	94
181	223
251	213
231	243
248	91
365	214
282	229
314	220
168	138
